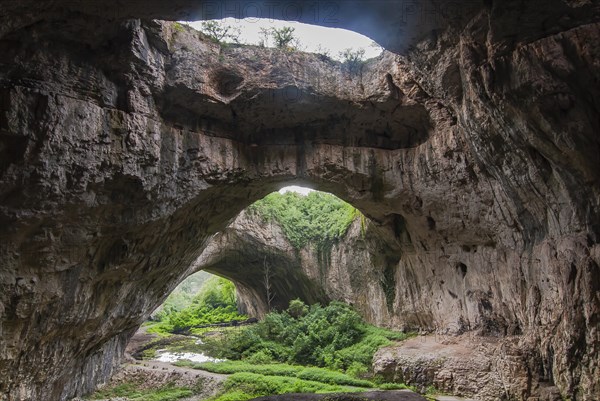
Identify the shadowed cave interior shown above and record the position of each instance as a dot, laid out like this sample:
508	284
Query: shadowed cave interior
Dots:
128	146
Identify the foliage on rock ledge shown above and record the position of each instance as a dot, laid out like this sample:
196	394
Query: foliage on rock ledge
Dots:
317	218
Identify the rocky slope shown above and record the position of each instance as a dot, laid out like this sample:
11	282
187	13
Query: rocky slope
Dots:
125	145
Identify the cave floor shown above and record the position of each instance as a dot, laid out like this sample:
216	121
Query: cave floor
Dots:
155	374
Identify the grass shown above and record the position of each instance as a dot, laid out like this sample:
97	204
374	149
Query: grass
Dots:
244	386
134	391
312	374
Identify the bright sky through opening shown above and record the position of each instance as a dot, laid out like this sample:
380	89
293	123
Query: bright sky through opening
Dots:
294	188
312	38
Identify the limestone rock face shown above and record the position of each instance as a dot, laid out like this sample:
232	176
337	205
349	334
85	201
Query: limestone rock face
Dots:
127	144
355	270
481	368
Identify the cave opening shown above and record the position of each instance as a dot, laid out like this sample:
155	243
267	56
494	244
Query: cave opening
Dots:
329	42
242	57
269	294
279	248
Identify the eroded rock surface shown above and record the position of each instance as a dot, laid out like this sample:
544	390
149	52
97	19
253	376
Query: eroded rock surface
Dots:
125	145
485	368
357	269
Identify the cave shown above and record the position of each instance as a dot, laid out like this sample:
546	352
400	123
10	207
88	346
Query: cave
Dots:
471	144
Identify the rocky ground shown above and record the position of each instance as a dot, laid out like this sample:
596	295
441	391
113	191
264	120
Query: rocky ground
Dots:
155	374
486	368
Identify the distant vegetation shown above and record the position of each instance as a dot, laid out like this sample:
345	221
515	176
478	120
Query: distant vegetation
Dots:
214	303
284	38
317	218
302	349
352	59
182	296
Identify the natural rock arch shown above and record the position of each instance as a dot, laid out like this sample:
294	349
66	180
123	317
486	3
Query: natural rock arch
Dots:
489	165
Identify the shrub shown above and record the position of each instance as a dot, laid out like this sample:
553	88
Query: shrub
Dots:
261	385
357	369
137	392
219	32
261	357
283	37
334	337
276	369
317	218
297	308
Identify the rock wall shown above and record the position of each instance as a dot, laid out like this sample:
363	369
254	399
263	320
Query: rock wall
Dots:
355	270
125	145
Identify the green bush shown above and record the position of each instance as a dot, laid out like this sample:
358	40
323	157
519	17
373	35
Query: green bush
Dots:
357	369
182	296
333	337
317	218
259	385
134	391
297	308
262	357
233	395
320	375
283	37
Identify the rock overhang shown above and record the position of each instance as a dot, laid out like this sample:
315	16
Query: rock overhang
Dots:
106	200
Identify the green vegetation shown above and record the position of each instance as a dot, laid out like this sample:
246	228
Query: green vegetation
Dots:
244	386
320	375
182	296
333	337
317	218
220	32
178	27
281	38
135	391
214	303
303	349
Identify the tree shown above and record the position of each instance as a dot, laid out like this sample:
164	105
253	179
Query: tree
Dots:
284	37
267	276
352	58
264	35
220	32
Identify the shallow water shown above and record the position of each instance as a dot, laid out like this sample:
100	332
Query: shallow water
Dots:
167	356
